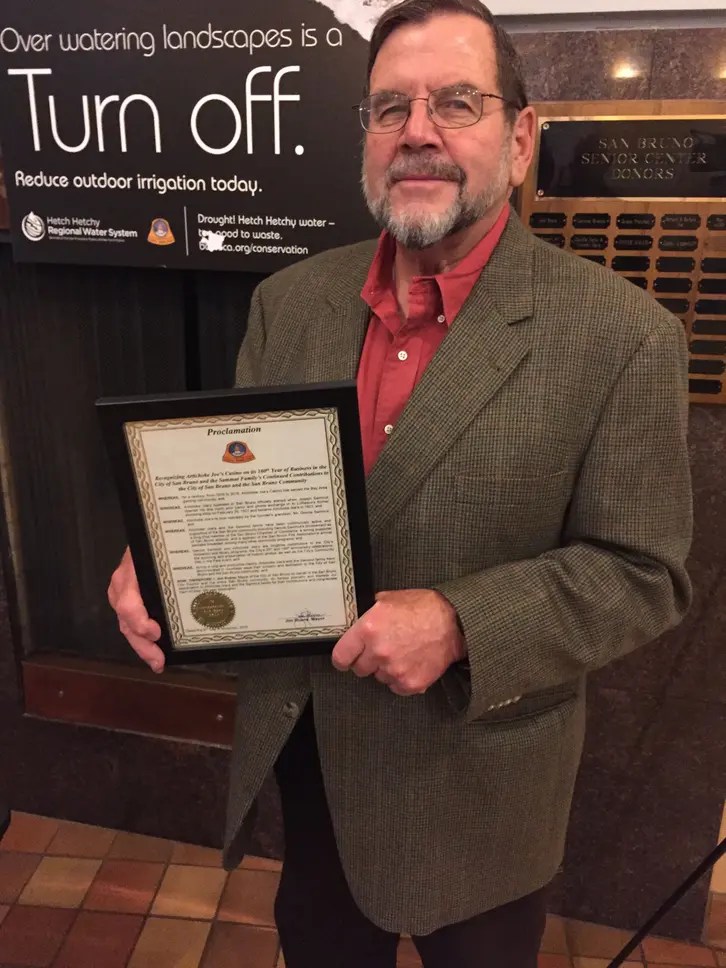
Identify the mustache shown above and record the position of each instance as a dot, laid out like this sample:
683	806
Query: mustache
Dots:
422	166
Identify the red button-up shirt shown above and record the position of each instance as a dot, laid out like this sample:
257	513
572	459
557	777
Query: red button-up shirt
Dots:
396	351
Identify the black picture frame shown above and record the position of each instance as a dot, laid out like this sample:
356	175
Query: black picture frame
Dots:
115	412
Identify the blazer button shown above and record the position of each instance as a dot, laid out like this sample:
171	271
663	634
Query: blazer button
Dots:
291	710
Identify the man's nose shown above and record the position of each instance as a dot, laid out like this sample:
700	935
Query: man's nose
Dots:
419	130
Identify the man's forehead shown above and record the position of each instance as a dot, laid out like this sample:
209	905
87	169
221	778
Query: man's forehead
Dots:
444	50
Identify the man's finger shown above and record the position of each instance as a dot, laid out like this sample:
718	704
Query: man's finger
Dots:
152	630
406	690
123	579
400	690
366	664
350	645
131	610
142	625
146	650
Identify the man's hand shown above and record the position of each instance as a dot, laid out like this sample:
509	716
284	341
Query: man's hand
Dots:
407	641
140	631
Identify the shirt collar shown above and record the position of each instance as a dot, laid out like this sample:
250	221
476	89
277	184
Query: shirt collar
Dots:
454	285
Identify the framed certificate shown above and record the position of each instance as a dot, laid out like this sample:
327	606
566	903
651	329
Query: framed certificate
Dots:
246	516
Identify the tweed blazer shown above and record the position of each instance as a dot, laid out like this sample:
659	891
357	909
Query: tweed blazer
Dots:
538	477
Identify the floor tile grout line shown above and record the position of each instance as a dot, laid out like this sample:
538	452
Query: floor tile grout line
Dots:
167	865
23	886
35	853
77	856
142	925
140	860
148	860
225	882
207	944
67	931
87	891
14	850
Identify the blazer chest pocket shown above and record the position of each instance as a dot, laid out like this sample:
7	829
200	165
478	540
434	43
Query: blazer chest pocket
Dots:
513	490
510	461
511	517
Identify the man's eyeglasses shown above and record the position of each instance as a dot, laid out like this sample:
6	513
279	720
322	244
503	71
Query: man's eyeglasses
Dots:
448	107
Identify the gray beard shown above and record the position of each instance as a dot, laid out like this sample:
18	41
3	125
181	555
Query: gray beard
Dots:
418	232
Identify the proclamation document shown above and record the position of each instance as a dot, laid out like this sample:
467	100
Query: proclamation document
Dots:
247	519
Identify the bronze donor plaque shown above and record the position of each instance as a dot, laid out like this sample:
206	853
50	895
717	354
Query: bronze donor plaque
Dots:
707	366
678	243
636	220
640	187
675	263
589	241
678	221
631	263
644	242
709	347
591	220
711	307
705	386
676	306
553	238
710	327
548	220
712	285
632	158
673	284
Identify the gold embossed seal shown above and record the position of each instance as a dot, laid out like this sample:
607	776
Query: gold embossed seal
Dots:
213	609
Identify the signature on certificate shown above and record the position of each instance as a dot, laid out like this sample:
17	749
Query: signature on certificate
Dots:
306	615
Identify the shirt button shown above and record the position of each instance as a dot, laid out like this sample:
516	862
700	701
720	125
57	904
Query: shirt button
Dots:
402	355
291	710
388	429
441	318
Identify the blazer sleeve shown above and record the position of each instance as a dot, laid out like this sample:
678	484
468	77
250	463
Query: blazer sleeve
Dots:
618	580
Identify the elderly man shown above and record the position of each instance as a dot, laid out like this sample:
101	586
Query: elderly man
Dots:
523	417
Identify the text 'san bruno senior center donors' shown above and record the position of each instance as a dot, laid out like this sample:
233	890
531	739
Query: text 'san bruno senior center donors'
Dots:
175	135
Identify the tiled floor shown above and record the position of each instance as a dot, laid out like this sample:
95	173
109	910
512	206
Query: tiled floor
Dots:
73	896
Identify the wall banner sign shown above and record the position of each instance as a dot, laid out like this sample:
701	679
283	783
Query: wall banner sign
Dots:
181	135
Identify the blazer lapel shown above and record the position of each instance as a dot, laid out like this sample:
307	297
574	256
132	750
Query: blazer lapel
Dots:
480	352
337	326
335	342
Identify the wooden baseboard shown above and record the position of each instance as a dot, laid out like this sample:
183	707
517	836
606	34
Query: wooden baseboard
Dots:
175	705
